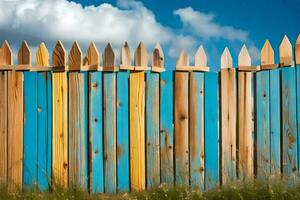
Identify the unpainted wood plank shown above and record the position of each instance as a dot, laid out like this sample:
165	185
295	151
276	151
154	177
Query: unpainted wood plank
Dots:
228	118
200	57
137	121
6	58
60	164
226	59
152	129
267	54
211	129
181	121
166	127
59	58
285	52
297	68
109	119
15	118
297	51
183	59
125	57
158	56
24	56
245	137
289	127
92	55
123	170
42	55
75	57
96	133
196	140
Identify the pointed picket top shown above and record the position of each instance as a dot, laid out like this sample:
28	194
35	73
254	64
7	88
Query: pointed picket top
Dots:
24	57
297	51
59	55
244	57
108	56
226	59
267	54
285	52
75	57
200	57
42	55
141	56
183	59
6	57
92	55
125	57
158	56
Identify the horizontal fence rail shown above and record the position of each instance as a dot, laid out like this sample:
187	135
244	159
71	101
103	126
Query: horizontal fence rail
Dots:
108	128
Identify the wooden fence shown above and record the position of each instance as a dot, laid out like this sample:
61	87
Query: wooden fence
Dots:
115	128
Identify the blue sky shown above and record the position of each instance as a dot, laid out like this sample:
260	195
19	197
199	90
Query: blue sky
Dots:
175	24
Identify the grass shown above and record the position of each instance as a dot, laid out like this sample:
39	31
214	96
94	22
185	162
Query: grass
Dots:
235	191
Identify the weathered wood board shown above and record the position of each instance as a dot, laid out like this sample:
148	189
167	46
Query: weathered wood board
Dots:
60	163
196	143
152	130
166	127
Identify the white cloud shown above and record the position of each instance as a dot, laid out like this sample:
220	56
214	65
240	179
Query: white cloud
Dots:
68	21
254	53
181	42
204	25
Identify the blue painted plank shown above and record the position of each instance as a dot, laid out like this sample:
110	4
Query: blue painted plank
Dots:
96	132
109	119
211	130
166	127
274	120
197	130
289	126
263	123
123	176
44	134
152	130
30	130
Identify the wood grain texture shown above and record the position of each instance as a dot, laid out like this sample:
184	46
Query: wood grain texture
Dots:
196	140
285	52
200	57
78	129
181	121
289	127
96	133
92	55
211	130
109	119
158	56
15	119
297	51
226	59
59	55
137	121
60	164
275	127
125	56
123	170
267	54
297	68
152	130
75	57
262	124
42	55
166	127
5	59
245	114
228	118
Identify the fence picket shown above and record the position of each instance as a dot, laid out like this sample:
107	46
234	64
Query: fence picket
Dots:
181	121
6	58
228	118
196	143
60	163
137	120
